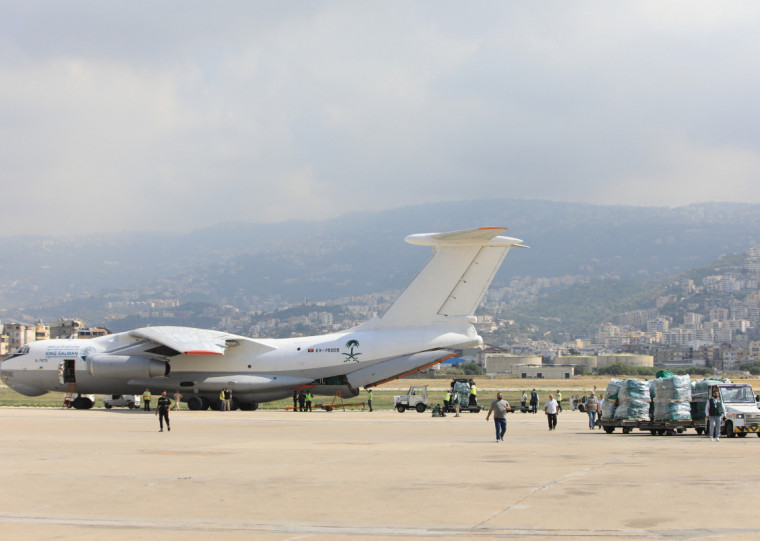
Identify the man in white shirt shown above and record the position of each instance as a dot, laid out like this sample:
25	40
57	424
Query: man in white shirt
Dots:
550	409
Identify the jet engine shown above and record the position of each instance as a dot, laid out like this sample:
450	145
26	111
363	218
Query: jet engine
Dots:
105	365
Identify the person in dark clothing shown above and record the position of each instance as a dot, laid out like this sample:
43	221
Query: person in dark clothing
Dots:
301	401
295	400
533	401
162	410
227	399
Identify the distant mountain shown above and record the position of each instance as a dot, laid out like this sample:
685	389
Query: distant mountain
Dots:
357	253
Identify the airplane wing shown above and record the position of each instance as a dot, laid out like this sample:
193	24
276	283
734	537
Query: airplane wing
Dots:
186	340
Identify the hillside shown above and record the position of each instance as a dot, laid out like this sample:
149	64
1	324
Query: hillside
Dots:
265	266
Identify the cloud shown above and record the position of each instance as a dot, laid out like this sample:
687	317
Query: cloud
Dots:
123	116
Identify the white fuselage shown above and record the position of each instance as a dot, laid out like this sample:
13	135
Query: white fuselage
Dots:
303	359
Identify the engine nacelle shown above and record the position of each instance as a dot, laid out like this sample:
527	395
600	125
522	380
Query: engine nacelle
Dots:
103	364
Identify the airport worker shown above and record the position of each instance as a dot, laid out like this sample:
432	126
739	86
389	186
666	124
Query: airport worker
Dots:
456	403
308	400
499	408
524	400
473	394
369	399
177	399
447	400
551	409
227	399
162	410
714	410
295	400
146	399
591	408
301	401
533	401
222	405
558	398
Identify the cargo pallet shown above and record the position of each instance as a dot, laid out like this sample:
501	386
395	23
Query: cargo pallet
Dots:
655	428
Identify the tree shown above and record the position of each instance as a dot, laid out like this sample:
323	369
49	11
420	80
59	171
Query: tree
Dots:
473	369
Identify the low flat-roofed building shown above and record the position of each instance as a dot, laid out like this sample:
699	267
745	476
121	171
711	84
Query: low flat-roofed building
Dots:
589	362
550	371
631	360
500	363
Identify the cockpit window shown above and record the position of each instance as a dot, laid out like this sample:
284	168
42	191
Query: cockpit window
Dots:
23	350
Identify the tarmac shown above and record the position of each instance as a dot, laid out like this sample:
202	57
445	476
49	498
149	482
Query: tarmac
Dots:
278	475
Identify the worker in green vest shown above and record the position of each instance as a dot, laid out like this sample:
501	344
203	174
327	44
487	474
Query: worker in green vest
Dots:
222	401
473	394
146	399
447	400
308	400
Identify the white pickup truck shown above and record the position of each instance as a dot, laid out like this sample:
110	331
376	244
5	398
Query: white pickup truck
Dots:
742	414
130	401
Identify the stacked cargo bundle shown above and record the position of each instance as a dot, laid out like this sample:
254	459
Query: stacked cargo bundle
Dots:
672	398
610	398
633	400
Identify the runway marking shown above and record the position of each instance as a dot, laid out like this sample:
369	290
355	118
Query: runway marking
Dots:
303	530
202	453
342	443
550	484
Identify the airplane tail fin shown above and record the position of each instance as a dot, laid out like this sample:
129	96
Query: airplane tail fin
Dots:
453	282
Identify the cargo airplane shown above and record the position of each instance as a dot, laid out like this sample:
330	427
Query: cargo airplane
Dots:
431	319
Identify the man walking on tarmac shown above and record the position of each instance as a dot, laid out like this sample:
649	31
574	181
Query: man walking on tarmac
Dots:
551	409
499	408
162	410
714	411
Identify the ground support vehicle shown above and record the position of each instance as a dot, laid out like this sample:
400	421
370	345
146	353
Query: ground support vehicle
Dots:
130	401
472	408
416	398
742	415
467	402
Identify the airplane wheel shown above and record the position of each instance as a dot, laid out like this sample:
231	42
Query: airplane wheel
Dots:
420	408
254	406
195	403
234	404
82	403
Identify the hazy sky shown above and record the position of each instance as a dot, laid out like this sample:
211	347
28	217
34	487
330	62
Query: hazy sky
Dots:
175	115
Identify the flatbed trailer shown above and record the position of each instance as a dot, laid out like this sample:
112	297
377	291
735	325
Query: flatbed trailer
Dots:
655	428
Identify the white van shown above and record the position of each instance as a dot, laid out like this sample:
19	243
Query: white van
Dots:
130	401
